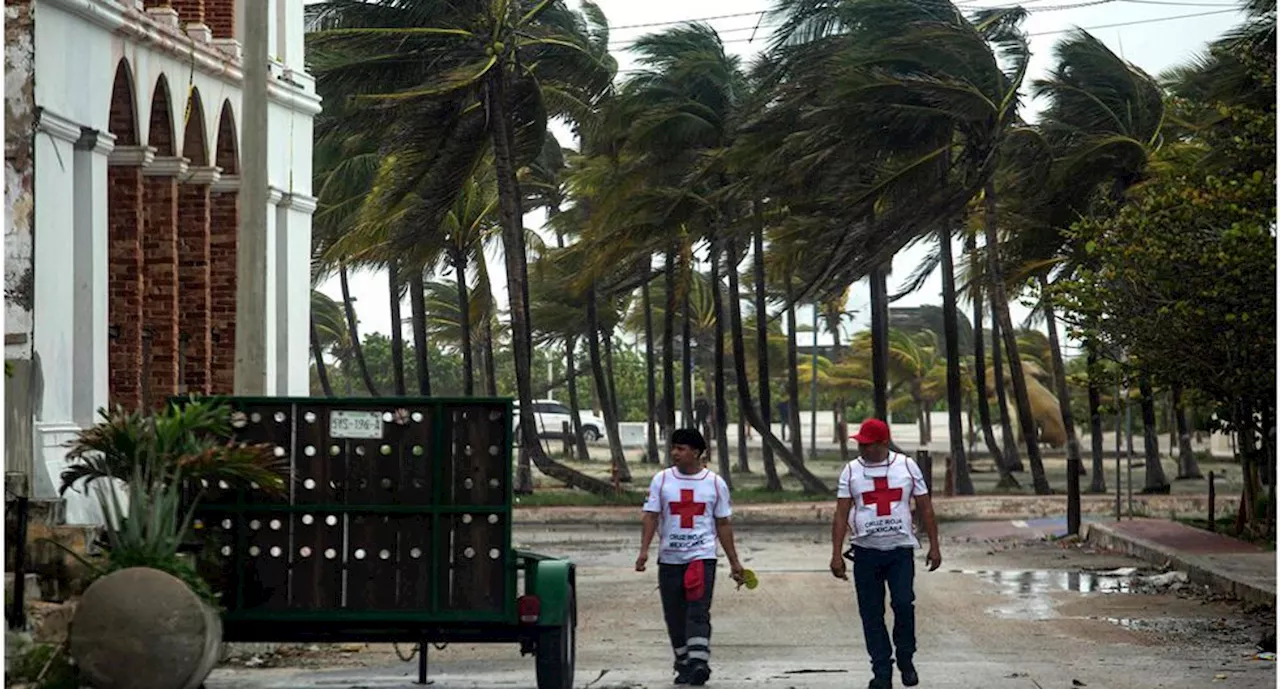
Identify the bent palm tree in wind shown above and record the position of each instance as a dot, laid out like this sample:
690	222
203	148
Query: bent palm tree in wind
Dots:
453	82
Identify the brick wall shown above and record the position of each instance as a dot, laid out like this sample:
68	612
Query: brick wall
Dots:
220	16
160	260
224	220
189	11
124	284
193	284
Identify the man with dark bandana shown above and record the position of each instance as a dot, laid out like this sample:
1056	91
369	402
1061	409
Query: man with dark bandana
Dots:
690	505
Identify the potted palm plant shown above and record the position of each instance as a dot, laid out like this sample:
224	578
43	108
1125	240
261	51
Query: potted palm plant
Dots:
147	602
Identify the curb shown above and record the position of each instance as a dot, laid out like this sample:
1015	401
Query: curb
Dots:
1104	536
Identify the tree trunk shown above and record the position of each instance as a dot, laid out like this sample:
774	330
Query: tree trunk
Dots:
955	395
762	347
743	466
356	347
397	331
1188	467
651	382
1098	484
1025	419
1010	445
418	311
669	348
721	408
1007	479
842	430
809	482
490	366
464	322
1155	480
608	409
575	405
686	356
793	378
1064	403
880	342
316	351
517	284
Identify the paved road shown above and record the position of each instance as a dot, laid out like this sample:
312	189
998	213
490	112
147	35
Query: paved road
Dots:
1005	610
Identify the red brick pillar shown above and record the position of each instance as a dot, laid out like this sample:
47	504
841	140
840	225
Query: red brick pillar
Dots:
125	273
160	268
220	16
189	11
224	223
193	278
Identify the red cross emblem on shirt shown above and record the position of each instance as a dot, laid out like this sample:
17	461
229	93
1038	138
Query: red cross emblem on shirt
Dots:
687	509
882	497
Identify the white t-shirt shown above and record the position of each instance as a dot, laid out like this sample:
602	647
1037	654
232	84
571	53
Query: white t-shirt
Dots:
687	508
881	513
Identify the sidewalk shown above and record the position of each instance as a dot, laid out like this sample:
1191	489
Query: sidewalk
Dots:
1230	566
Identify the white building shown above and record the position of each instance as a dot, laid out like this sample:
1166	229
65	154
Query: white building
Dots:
122	169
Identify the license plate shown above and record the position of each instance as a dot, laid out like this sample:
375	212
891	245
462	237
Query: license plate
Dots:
355	424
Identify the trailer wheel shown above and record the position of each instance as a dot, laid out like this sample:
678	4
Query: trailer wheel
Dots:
557	650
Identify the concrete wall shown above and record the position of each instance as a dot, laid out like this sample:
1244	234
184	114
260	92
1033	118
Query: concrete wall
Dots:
21	378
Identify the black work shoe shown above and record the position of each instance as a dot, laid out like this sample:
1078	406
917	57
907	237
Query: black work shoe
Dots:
879	683
699	674
909	676
682	673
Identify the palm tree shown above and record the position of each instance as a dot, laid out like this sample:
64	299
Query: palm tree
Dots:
466	79
963	484
1102	124
328	332
894	92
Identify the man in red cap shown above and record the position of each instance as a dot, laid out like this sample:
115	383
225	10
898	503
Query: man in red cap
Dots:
873	504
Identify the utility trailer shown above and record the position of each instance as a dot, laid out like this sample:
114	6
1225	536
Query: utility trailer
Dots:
396	528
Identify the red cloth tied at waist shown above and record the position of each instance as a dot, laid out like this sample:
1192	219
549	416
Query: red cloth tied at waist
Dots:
695	580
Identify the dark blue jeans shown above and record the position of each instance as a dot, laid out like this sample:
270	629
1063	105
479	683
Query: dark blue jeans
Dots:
872	570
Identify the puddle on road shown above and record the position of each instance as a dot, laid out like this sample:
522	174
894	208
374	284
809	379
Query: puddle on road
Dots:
1031	589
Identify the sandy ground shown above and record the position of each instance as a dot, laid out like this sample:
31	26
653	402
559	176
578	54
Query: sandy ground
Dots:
1006	609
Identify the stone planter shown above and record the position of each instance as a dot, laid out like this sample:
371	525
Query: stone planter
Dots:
143	618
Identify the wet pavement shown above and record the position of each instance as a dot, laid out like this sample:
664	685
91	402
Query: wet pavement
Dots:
1008	608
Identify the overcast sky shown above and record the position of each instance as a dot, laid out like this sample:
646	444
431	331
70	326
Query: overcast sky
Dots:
1153	34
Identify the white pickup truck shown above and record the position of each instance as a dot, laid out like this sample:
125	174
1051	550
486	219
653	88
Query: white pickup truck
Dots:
551	416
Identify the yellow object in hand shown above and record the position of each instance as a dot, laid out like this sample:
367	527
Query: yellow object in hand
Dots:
749	579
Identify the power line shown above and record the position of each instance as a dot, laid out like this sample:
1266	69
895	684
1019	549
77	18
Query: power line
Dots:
1038	33
1135	23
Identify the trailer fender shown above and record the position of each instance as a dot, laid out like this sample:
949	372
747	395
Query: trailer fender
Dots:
553	583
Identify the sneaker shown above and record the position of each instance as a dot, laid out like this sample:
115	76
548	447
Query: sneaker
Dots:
699	674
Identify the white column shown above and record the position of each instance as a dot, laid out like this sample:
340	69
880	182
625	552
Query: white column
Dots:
89	366
272	285
53	312
293	294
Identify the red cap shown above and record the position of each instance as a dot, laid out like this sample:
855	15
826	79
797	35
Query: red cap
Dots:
872	431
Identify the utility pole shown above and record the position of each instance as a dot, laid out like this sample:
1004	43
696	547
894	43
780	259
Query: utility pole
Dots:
251	239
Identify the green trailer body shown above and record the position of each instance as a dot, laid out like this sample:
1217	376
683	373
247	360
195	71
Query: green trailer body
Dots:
396	526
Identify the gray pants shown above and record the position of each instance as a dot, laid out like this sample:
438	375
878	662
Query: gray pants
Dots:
688	621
